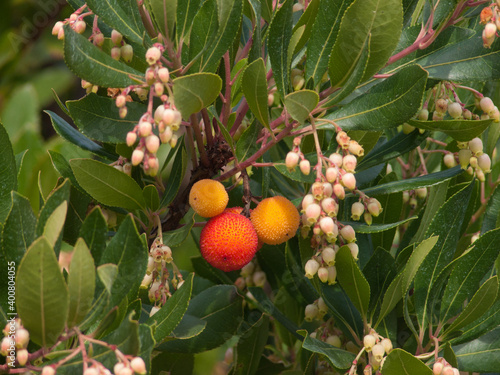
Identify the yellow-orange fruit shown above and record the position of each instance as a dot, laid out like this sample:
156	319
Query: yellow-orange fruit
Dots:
234	210
208	198
228	241
275	220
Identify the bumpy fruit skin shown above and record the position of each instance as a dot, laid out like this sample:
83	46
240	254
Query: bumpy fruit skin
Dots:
228	241
275	220
208	198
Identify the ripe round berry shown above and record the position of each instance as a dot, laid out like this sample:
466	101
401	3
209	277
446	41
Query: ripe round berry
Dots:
208	198
228	241
275	220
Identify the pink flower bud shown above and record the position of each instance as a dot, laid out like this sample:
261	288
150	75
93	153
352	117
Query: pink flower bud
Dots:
166	136
339	191
423	115
486	104
22	356
332	275
60	34
22	338
116	53
177	120
484	162
48	370
80	26
317	190
153	166
173	141
349	181
153	54
311	268
159	88
455	110
354	250
349	163
57	27
336	159
150	76
437	369
331	174
158	116
137	364
131	138
118	368
355	148
137	157
495	114
328	256
323	274
145	128
328	226
348	234
121	100
305	167
343	140
387	344
489	30
464	157
163	74
122	112
312	212
357	209
229	356
476	146
330	206
126	371
449	161
98	39
168	116
116	37
447	370
310	312
291	161
270	100
307	200
127	52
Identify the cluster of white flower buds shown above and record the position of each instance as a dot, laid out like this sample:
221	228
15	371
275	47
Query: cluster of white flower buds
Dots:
120	49
251	275
75	21
377	348
471	158
14	343
442	367
490	17
296	157
412	197
316	310
327	332
135	365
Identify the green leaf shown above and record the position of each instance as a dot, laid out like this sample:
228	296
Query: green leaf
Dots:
95	66
492	210
446	224
81	283
171	313
483	299
41	294
107	184
93	231
460	130
247	144
204	30
186	11
415	182
299	104
147	344
251	346
338	358
230	13
379	20
72	135
8	170
107	275
97	117
151	197
466	60
280	33
54	224
256	49
254	86
387	105
194	92
62	166
129	253
221	308
176	176
400	362
324	32
307	20
352	280
164	15
480	355
469	270
376	228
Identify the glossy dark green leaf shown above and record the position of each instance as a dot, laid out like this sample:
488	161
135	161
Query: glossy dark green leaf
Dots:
186	11
97	117
251	346
164	15
307	20
41	294
480	355
247	144
280	33
129	253
151	197
62	166
400	362
170	314
446	224
381	21
8	170
490	217
470	268
93	231
55	223
254	86
230	13
415	182
221	308
107	184
204	29
256	49
196	91
460	130
176	176
147	344
482	300
338	358
324	32
387	105
72	135
300	104
95	66
81	283
352	280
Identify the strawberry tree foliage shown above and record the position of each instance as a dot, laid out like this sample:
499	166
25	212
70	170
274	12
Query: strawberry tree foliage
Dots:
376	119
